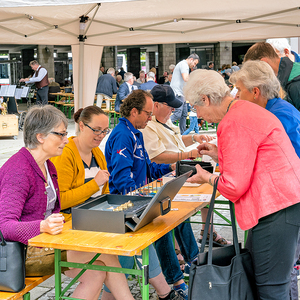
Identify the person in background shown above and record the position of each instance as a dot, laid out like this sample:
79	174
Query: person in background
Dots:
106	86
179	79
193	123
122	72
101	71
124	90
40	79
171	68
163	78
234	67
147	86
283	48
210	66
169	79
257	83
251	176
141	78
119	80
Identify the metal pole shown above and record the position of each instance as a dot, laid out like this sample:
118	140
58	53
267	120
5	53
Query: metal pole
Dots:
80	77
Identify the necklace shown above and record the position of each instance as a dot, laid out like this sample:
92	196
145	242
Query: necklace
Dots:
229	105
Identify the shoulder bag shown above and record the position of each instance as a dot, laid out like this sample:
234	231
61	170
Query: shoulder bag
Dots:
224	273
12	266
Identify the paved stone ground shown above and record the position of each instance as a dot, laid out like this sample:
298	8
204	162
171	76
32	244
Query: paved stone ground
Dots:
45	291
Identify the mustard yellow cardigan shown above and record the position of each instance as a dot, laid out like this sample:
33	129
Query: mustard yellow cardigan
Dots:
70	173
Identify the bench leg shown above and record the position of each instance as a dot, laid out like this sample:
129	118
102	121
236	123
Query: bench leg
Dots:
145	277
57	268
26	296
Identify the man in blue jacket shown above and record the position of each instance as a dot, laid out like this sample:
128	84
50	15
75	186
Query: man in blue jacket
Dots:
147	86
130	167
124	90
106	86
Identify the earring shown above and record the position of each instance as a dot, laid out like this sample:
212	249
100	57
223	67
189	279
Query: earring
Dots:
254	98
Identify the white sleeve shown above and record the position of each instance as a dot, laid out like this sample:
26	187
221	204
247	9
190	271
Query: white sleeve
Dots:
42	74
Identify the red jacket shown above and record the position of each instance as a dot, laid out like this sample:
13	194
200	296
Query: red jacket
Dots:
260	170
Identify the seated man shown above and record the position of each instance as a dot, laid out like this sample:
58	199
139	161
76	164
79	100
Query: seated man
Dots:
147	86
164	143
106	86
125	89
130	167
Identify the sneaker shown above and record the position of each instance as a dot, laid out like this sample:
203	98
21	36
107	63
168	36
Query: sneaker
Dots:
182	290
187	269
175	296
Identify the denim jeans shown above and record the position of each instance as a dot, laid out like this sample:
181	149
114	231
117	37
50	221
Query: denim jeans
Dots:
127	262
193	126
180	114
166	252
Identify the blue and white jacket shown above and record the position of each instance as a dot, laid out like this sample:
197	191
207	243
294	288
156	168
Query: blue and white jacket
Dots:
127	160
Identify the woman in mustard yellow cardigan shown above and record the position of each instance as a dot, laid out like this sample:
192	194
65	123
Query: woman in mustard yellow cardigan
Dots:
82	174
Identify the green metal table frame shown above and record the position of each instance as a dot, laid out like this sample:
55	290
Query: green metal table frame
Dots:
60	294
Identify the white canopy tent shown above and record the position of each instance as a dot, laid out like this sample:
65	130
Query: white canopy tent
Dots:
89	26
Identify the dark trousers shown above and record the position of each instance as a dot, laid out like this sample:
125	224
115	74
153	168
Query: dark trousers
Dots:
42	96
180	114
272	243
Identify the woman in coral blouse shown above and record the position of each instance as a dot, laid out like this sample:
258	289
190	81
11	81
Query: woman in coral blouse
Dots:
259	172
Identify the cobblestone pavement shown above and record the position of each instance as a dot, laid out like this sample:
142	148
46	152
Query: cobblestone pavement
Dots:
45	291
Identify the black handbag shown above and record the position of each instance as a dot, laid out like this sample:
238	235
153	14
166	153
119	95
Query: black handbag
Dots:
12	266
224	273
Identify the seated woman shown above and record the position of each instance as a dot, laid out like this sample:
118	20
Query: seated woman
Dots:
256	82
30	199
259	172
82	173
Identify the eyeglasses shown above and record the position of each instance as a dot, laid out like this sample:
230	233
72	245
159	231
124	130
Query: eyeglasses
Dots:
98	131
149	113
60	134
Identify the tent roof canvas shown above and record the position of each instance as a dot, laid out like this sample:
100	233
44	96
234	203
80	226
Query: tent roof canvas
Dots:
146	22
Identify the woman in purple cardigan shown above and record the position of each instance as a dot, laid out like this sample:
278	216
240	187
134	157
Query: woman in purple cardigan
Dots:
30	200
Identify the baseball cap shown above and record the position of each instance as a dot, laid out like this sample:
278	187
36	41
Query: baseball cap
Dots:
165	94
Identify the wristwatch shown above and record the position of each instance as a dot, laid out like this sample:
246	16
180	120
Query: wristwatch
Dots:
193	138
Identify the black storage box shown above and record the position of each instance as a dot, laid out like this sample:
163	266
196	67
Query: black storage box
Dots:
87	217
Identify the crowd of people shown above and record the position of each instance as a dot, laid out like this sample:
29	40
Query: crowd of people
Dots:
258	148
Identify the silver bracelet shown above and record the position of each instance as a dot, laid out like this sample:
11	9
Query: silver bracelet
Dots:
209	180
193	140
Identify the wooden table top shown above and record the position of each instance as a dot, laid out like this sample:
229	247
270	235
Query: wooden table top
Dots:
130	243
63	94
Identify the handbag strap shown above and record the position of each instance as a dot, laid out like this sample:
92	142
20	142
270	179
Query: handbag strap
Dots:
207	223
3	243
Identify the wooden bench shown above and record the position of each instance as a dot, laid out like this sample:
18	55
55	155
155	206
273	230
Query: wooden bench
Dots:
30	282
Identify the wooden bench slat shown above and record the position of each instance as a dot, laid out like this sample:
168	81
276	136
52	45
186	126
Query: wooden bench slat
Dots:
30	282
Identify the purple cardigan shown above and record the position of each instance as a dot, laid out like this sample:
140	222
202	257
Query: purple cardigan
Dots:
23	199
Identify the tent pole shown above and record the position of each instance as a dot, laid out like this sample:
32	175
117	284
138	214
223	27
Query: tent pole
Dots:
80	77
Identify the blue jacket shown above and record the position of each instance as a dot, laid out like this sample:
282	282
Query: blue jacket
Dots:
127	160
106	85
147	86
122	94
289	116
296	55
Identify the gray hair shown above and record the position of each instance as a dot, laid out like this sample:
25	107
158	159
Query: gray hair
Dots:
33	62
151	75
279	44
205	82
194	56
111	71
172	67
255	73
128	76
41	119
